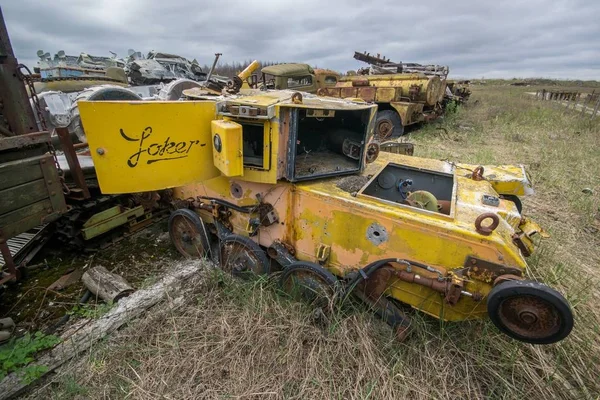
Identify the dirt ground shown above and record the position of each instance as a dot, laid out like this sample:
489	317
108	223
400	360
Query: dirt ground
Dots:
35	307
238	339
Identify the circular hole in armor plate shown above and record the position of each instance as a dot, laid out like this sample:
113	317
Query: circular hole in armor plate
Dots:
236	190
377	234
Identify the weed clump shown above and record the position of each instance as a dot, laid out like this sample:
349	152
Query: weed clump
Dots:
16	355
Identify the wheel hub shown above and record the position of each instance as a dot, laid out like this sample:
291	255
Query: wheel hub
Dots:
184	238
188	234
240	260
384	128
529	316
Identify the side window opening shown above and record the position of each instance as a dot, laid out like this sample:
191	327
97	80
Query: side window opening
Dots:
299	81
330	80
327	142
254	145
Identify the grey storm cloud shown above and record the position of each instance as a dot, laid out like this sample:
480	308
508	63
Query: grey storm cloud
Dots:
536	38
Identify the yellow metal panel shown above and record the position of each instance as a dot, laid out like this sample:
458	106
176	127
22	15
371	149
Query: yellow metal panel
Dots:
410	113
386	95
227	147
505	179
143	146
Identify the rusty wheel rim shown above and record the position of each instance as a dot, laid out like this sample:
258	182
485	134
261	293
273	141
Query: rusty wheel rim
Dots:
187	238
384	129
310	288
372	152
529	316
239	260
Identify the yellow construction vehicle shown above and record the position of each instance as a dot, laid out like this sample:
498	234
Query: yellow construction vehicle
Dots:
278	180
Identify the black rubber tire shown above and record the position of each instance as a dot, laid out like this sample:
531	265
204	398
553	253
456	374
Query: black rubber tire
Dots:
514	289
257	252
515	199
304	266
394	118
198	225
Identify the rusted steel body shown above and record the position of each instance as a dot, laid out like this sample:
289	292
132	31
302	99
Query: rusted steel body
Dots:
390	88
414	97
16	115
74	166
406	93
386	66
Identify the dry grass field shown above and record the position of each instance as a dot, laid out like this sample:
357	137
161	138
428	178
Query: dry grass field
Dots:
244	340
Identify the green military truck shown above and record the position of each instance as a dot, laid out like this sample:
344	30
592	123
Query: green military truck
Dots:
295	76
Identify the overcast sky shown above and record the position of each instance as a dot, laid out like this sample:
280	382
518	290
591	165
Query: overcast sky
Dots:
476	38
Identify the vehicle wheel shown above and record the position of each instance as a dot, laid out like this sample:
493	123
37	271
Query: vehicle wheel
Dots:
530	312
389	313
97	93
387	125
174	90
514	199
311	283
241	257
189	234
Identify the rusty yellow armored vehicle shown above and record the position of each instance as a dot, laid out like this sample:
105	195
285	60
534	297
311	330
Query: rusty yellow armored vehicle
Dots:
406	93
272	180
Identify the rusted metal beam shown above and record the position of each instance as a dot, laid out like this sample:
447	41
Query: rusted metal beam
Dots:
8	261
13	96
71	156
5	46
15	142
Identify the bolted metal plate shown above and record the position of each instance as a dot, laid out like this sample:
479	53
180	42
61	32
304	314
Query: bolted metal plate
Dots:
377	234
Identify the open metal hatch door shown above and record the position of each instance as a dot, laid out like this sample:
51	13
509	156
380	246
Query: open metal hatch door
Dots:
143	146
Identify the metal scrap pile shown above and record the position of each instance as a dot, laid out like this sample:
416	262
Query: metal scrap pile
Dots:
161	67
379	65
138	70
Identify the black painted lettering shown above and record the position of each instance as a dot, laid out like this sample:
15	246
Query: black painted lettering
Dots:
180	147
157	151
